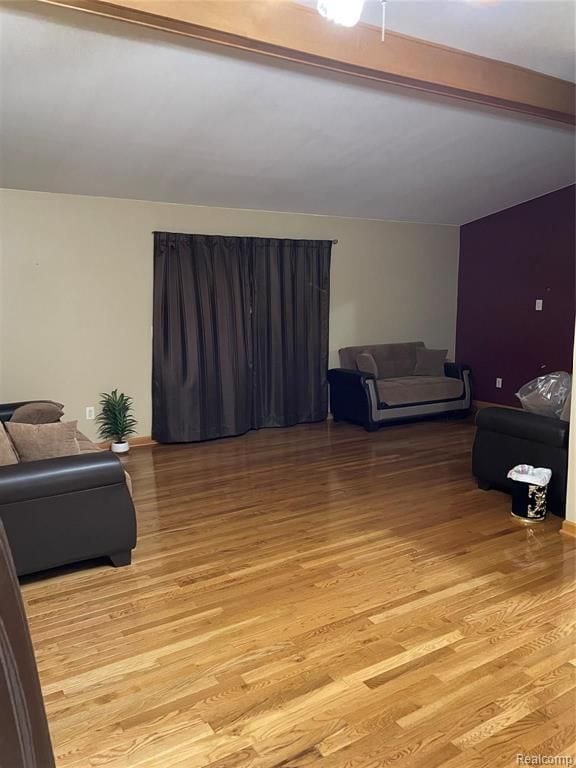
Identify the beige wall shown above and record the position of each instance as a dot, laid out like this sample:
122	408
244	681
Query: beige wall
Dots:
76	301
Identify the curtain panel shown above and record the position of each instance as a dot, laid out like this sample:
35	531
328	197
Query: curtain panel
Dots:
240	334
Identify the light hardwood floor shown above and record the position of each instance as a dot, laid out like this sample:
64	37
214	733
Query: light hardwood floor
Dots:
315	596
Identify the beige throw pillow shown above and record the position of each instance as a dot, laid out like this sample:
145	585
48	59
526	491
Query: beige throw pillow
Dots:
365	362
38	413
34	442
7	453
430	362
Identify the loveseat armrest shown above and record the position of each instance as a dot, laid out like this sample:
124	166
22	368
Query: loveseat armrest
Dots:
348	374
524	425
350	398
53	477
455	370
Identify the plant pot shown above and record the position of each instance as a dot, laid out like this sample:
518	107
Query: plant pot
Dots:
120	447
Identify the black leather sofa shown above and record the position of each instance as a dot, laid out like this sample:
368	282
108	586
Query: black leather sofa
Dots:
506	437
66	510
24	734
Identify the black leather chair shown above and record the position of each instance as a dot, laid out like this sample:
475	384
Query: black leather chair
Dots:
506	437
66	510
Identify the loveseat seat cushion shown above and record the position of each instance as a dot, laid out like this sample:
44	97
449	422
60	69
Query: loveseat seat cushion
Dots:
408	390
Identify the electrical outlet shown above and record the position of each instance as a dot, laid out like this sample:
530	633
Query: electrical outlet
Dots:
90	414
539	305
498	383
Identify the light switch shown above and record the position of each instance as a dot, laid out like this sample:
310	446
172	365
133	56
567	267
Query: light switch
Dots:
498	383
539	305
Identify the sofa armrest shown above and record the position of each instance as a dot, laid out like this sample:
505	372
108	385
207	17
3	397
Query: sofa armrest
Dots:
350	398
348	375
524	425
53	477
455	370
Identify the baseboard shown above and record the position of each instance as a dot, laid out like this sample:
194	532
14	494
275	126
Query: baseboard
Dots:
568	529
141	442
479	404
135	442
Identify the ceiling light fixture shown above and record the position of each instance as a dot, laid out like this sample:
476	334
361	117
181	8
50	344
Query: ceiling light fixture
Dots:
347	13
344	12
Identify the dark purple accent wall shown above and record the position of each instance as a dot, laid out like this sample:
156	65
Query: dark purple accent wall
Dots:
507	261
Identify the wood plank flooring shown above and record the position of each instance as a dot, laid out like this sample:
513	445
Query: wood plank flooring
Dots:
314	596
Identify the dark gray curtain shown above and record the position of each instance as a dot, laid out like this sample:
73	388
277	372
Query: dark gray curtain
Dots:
202	348
291	283
240	334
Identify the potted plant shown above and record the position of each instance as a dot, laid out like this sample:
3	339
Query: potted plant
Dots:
115	420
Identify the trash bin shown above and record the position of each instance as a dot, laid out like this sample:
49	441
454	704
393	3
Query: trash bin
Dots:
529	491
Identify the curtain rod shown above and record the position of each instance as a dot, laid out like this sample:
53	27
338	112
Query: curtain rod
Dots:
334	242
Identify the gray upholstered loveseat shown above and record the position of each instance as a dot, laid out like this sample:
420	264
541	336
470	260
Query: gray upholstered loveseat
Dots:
394	390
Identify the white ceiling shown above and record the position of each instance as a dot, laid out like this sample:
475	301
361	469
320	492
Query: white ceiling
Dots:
95	107
537	34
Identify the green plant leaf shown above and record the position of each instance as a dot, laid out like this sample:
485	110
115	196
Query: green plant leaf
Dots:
115	421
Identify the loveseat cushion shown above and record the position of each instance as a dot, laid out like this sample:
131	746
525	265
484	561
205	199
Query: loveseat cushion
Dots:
392	360
7	453
408	390
365	362
430	362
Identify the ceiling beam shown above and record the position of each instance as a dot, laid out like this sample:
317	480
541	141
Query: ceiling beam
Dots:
299	34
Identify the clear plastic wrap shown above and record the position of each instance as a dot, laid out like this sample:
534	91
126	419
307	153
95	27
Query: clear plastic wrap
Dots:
547	394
